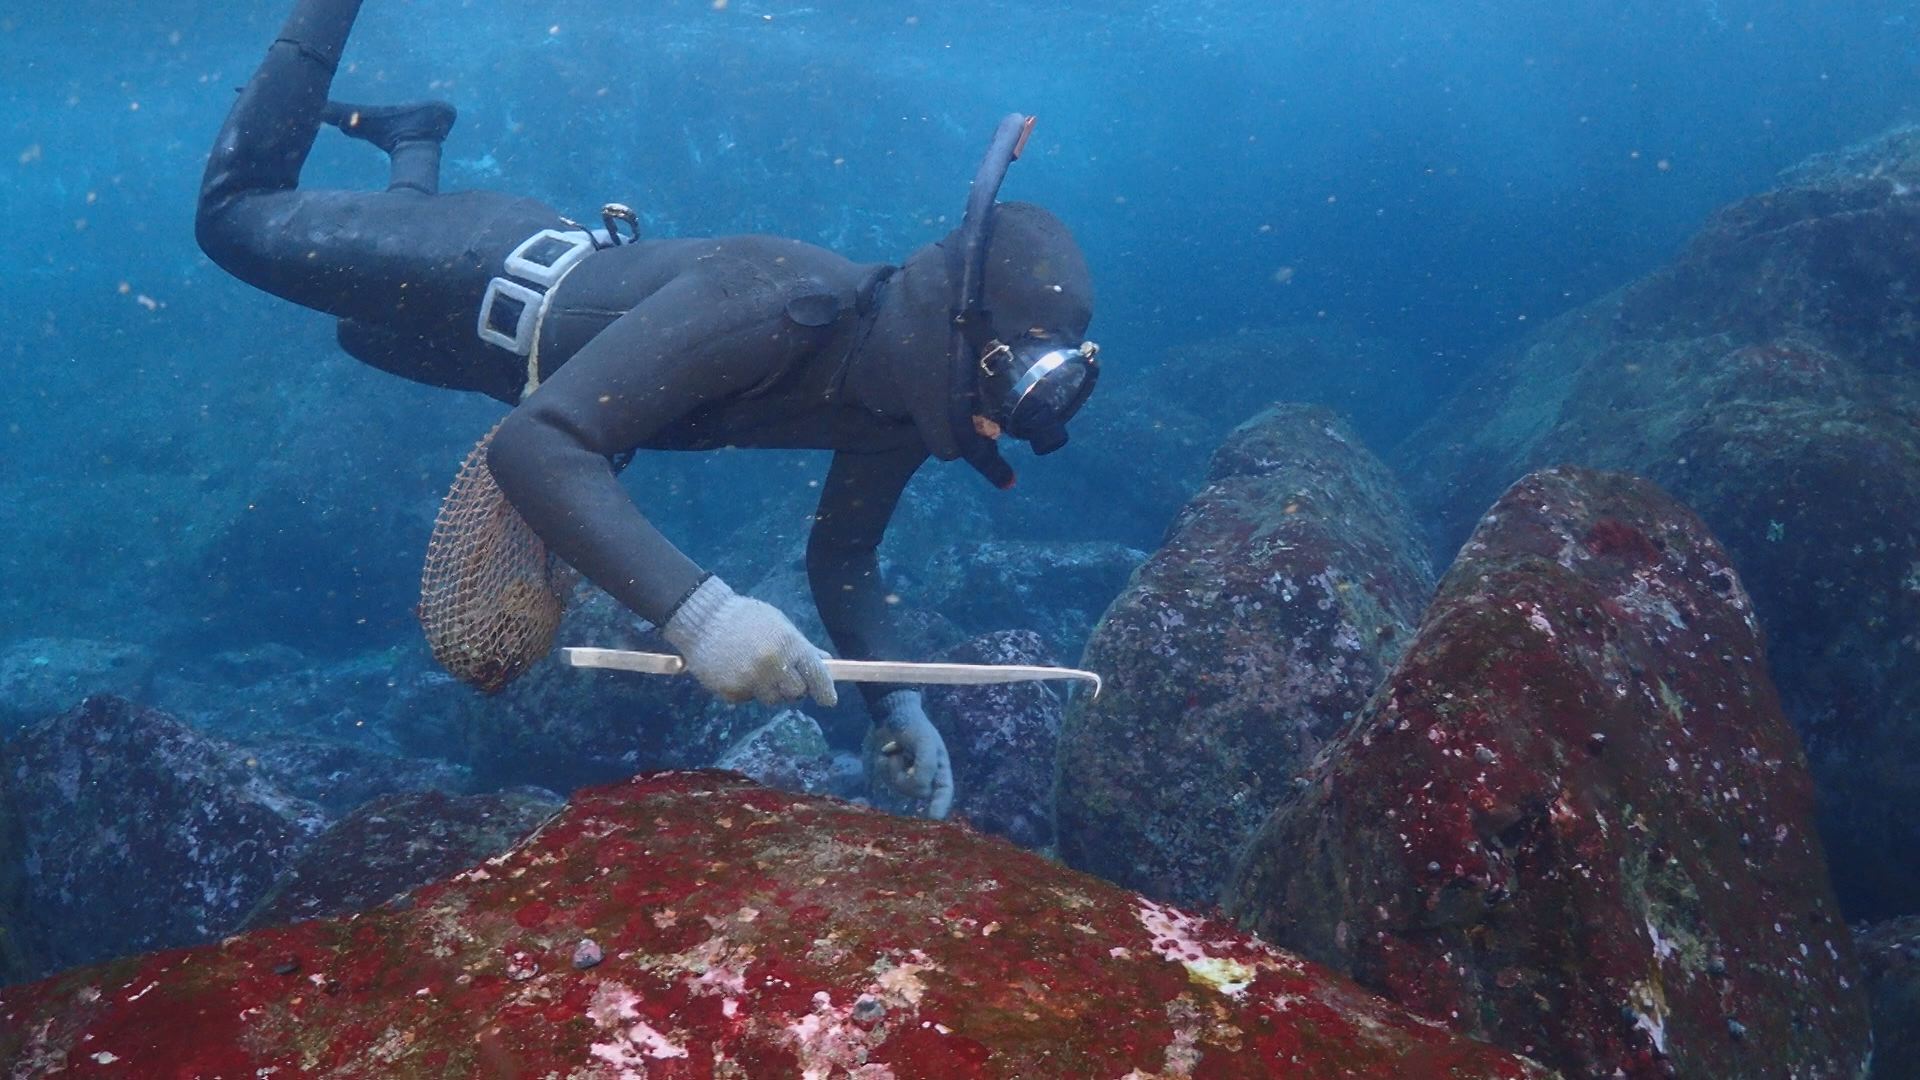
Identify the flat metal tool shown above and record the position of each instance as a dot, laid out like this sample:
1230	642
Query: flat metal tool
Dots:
883	671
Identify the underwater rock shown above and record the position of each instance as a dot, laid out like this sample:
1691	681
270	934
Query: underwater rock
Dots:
1890	962
397	843
292	533
1766	379
42	677
339	777
1380	387
19	946
1283	593
321	526
744	932
142	833
1574	820
1141	446
1828	255
558	726
1057	590
787	752
1001	740
272	691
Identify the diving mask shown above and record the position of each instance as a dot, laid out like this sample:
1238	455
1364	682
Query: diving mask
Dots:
1032	387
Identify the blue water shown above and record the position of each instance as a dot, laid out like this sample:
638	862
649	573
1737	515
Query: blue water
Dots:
192	471
1434	174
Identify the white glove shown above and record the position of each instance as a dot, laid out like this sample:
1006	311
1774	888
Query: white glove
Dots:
908	755
741	648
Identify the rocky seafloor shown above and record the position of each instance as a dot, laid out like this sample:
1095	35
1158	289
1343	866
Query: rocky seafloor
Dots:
1630	792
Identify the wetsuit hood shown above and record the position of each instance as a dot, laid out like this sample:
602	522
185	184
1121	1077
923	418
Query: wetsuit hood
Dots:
1035	279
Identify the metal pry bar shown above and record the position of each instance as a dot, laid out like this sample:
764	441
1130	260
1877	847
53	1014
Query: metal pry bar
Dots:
882	671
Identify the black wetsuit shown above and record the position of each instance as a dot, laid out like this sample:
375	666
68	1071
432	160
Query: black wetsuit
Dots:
660	344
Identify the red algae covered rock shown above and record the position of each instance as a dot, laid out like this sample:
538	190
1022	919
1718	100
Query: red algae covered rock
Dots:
1282	594
737	932
1766	378
1574	821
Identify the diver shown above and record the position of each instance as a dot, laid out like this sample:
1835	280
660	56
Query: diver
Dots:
669	344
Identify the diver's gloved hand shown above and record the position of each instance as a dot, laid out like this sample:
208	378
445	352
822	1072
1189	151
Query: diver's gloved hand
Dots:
741	648
907	754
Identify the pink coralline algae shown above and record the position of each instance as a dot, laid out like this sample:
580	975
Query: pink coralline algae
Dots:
747	933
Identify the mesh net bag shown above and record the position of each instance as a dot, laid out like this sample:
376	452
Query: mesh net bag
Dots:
490	599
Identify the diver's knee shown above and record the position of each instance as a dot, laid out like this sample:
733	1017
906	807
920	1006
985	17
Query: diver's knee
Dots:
230	239
213	231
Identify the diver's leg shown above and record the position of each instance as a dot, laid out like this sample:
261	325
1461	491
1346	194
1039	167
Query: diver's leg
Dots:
410	134
271	129
457	364
388	259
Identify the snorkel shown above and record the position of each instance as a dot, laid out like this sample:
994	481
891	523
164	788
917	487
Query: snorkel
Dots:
972	330
1027	381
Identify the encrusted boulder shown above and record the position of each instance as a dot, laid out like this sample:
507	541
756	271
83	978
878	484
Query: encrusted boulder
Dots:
788	752
1284	591
1381	386
394	844
1001	739
1766	378
698	925
1141	446
42	677
139	832
1574	821
1890	961
1828	254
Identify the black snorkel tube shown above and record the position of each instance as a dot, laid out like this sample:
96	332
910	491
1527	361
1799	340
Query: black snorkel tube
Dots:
972	331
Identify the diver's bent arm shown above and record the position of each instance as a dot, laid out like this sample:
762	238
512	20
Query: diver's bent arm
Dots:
843	564
686	346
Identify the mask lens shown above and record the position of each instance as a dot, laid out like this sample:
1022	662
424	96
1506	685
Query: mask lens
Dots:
1050	384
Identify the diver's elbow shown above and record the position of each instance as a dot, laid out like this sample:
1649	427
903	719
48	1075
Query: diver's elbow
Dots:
514	450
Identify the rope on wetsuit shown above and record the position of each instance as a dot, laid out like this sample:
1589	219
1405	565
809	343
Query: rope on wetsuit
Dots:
539	323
